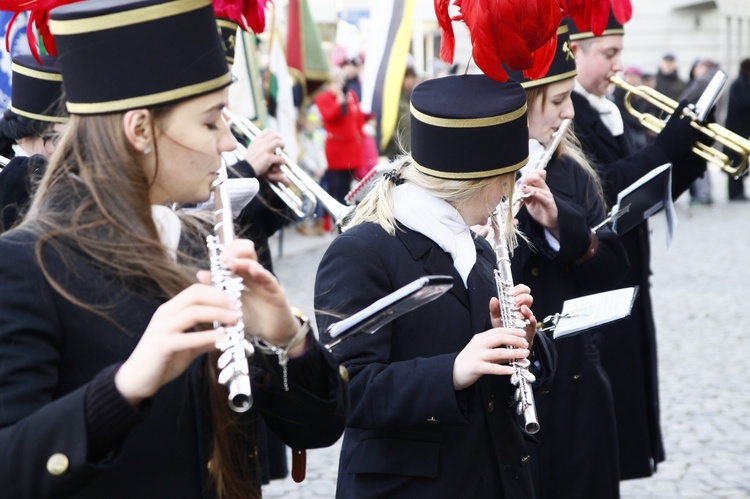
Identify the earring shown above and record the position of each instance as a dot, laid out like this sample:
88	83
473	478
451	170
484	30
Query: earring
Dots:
147	150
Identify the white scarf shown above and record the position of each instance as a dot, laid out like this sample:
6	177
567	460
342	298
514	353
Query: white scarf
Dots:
608	110
168	226
536	149
435	218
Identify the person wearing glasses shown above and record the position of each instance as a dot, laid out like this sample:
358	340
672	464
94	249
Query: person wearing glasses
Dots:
34	122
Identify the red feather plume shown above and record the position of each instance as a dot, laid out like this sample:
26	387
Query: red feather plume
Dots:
246	13
592	15
38	11
623	10
518	33
448	38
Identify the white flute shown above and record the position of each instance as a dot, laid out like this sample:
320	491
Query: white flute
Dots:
234	371
521	378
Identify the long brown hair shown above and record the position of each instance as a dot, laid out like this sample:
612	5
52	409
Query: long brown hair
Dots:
95	197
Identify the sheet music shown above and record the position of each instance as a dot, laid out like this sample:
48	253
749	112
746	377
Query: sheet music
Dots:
580	314
645	197
403	300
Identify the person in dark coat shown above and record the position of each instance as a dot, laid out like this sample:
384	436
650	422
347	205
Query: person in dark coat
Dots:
35	120
738	121
668	81
562	258
628	348
108	360
432	408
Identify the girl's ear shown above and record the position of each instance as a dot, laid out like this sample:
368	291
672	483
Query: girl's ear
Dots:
138	129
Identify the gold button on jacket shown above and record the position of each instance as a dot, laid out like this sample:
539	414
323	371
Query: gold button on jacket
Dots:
344	374
57	464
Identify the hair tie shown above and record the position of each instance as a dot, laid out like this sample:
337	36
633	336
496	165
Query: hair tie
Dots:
394	177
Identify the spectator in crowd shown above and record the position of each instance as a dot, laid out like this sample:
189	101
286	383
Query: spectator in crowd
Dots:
343	121
738	121
402	134
668	81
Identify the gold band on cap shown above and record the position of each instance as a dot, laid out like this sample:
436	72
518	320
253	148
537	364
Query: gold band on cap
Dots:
226	23
468	122
469	175
150	100
35	73
549	79
590	34
125	18
39	117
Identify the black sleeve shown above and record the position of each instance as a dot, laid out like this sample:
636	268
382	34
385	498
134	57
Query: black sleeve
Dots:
313	412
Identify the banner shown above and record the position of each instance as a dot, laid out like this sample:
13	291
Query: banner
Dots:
281	109
246	94
385	62
304	50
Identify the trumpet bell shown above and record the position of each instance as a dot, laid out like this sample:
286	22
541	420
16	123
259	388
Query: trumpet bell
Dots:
729	140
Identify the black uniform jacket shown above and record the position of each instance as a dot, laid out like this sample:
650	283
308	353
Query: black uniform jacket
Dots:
51	349
262	217
628	350
17	181
578	438
410	434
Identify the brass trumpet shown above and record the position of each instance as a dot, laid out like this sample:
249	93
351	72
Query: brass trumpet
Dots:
727	138
310	192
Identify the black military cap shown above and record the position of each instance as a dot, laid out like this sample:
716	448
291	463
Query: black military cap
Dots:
228	33
117	55
36	91
468	127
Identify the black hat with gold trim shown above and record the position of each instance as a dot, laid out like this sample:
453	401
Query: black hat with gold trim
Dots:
228	33
468	127
563	65
117	55
37	89
614	27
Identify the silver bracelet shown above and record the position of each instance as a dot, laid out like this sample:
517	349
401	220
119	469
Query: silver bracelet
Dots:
282	351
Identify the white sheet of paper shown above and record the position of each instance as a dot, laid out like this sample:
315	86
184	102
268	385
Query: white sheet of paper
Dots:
580	314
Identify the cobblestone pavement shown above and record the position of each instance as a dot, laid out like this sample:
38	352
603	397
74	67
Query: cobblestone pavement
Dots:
700	290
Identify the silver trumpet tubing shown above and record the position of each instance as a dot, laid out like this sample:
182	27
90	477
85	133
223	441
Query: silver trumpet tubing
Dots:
543	161
3	162
521	378
234	372
311	192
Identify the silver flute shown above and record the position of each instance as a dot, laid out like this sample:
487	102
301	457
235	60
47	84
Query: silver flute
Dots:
234	372
543	160
521	378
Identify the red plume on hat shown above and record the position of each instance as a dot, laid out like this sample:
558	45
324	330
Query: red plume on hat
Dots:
521	34
246	13
592	15
38	22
